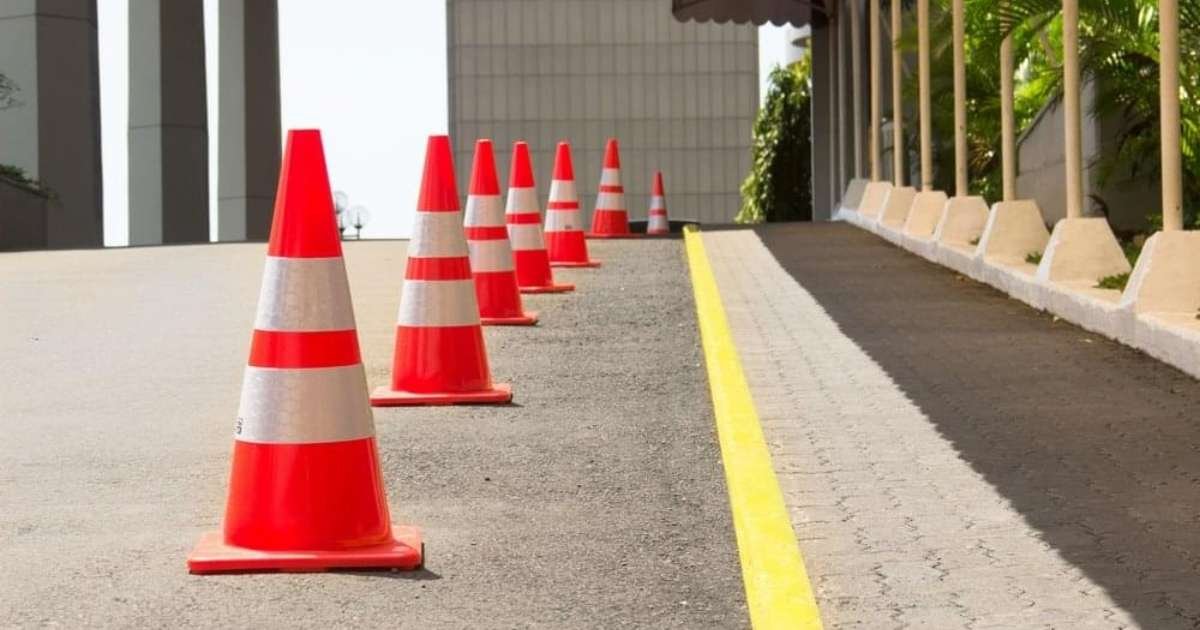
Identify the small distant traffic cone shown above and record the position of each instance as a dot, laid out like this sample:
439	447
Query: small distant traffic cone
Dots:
611	219
306	493
440	358
487	238
657	222
565	243
525	228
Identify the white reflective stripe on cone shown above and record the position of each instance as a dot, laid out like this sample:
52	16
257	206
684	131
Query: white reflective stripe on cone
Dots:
438	303
304	294
610	201
657	222
563	220
493	255
526	236
610	177
438	235
561	190
301	406
656	203
521	200
484	211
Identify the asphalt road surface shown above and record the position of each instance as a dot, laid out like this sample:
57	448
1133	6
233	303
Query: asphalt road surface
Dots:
595	501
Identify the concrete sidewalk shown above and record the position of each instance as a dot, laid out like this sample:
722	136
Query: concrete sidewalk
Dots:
596	501
954	459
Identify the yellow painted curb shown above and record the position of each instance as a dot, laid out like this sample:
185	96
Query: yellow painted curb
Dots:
778	592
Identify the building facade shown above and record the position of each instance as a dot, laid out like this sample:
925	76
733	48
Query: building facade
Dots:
680	97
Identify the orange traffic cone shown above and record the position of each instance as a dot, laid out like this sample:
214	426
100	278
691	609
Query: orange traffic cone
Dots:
657	222
440	358
525	228
487	238
611	219
565	243
306	493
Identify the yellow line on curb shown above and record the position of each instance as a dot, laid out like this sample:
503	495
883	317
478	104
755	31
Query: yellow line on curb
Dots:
778	592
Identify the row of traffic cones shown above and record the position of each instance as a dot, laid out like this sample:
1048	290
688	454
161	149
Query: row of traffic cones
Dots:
306	492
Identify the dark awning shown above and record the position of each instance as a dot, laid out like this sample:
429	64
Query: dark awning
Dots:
778	12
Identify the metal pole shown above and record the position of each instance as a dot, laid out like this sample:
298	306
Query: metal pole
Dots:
876	107
1168	102
1071	111
960	102
1008	141
923	88
897	98
856	91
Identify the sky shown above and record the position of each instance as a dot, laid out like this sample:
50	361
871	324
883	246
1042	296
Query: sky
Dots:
371	76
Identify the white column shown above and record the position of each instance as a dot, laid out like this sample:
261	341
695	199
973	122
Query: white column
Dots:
876	107
923	89
897	97
841	103
960	103
1071	109
1168	99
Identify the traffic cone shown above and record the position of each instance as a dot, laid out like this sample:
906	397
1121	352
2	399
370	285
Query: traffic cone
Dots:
525	228
611	219
306	493
565	243
487	239
439	358
656	222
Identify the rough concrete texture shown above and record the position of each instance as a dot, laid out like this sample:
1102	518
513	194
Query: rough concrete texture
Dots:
1014	230
954	459
873	199
896	206
1083	249
962	222
1167	276
925	213
595	501
853	196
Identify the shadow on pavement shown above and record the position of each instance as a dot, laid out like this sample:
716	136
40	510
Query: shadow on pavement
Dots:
1096	444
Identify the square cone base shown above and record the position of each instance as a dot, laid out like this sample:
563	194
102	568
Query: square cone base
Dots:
550	288
572	264
213	555
528	319
626	235
500	393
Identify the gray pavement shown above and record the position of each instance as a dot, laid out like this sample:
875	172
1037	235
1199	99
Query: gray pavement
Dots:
596	501
953	459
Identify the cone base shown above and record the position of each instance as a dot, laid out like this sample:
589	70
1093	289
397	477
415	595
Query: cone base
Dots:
574	264
549	288
213	555
527	319
385	396
625	235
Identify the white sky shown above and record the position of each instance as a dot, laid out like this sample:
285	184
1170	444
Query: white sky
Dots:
371	75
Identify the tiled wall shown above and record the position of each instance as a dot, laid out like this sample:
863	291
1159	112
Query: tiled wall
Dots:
680	97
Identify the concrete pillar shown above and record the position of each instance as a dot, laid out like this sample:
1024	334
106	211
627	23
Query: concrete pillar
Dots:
835	87
960	101
926	115
168	123
876	101
856	82
844	120
48	48
822	133
1168	99
1072	117
249	123
1008	137
897	97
